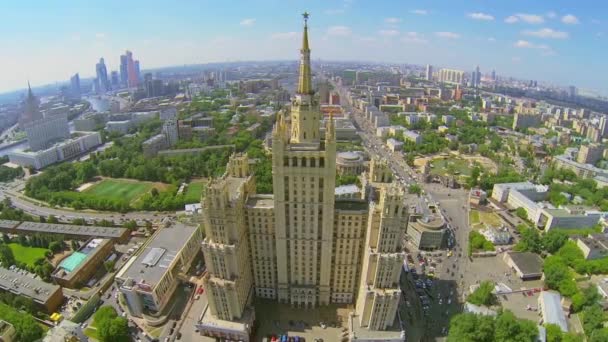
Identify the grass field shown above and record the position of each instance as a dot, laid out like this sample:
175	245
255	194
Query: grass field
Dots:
91	333
119	189
27	255
479	219
445	166
193	192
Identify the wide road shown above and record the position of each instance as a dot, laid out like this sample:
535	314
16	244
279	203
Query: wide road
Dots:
37	208
454	208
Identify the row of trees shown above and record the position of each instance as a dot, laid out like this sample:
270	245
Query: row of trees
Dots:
478	242
26	328
505	327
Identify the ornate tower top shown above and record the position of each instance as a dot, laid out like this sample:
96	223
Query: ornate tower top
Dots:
305	82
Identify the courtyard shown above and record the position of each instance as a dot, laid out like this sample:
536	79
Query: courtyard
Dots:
479	219
280	319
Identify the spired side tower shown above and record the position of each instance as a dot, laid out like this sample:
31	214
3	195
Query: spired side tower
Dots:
303	182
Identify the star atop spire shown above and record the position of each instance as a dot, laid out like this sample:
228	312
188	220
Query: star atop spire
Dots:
305	45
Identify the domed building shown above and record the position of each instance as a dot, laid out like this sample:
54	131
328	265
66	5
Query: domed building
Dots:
349	163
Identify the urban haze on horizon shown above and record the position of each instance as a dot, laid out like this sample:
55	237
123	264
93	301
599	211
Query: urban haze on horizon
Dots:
429	197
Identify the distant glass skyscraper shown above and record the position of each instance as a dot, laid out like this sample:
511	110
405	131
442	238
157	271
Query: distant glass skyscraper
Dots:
75	86
137	71
124	75
132	79
102	76
429	72
114	79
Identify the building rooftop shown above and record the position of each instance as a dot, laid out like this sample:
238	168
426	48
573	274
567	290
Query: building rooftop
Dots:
552	309
359	333
527	262
347	189
26	284
8	224
351	205
154	260
478	310
97	231
68	265
260	201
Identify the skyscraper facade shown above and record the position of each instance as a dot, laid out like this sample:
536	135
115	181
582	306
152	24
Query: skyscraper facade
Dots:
301	245
31	111
137	71
114	79
102	76
75	86
124	74
132	80
429	72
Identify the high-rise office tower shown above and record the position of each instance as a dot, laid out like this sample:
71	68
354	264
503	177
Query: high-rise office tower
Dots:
75	86
476	77
102	76
572	91
132	78
493	75
137	71
429	72
114	79
124	74
603	126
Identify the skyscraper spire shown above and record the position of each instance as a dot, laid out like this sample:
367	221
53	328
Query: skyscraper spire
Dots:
305	82
29	90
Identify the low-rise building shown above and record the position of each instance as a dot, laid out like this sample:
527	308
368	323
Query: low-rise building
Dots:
156	143
496	236
426	232
527	265
66	331
349	163
394	145
7	332
549	304
76	270
412	136
532	197
68	230
594	246
149	280
22	283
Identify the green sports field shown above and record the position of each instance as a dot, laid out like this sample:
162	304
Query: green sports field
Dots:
119	189
25	254
449	166
193	192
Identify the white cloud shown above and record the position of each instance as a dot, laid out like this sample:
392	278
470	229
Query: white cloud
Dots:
413	37
333	11
481	16
392	20
492	39
419	12
526	18
524	44
546	33
339	31
284	35
100	35
247	22
388	33
551	14
570	19
448	35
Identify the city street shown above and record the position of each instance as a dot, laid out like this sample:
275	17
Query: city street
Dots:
448	286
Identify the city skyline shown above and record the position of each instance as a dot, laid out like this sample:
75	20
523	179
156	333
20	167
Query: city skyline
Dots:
541	41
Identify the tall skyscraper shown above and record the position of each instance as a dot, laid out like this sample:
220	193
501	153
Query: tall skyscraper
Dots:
137	71
301	245
493	75
31	112
114	79
476	77
429	72
75	86
132	77
603	126
124	74
102	76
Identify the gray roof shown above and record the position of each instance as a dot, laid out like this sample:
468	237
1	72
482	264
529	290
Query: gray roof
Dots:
552	309
8	224
527	262
26	284
105	232
154	260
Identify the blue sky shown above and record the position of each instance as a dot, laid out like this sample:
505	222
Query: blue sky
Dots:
565	42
